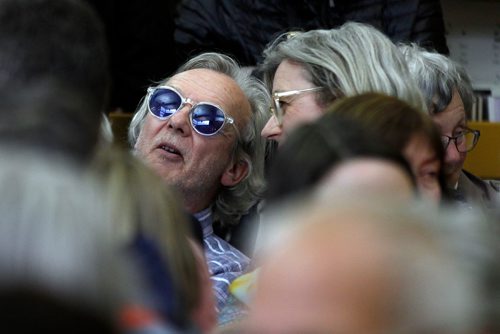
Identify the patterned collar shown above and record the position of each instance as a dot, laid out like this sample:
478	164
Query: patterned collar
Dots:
205	219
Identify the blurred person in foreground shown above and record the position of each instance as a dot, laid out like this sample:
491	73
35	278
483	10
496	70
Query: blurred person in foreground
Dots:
406	130
449	97
323	155
51	118
60	271
199	131
150	225
365	265
54	76
314	151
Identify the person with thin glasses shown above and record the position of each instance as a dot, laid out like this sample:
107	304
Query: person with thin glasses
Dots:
307	71
449	96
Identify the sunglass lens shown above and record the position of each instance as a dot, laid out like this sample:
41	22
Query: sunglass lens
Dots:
207	119
164	102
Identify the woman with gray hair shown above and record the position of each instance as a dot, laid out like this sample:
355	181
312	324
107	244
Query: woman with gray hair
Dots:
449	97
307	71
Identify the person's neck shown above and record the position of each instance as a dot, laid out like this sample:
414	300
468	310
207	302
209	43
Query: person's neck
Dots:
195	202
453	183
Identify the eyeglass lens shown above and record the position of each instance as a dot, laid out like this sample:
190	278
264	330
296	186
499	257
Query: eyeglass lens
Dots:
205	118
464	143
277	110
164	102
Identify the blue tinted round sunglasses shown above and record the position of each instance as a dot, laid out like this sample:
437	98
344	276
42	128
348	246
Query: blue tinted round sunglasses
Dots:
206	118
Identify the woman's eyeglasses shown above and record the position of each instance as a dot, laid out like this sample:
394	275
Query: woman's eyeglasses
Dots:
277	110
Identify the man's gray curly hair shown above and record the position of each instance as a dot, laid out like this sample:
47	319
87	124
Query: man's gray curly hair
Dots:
231	202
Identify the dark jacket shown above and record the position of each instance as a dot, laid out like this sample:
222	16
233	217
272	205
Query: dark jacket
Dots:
242	28
141	44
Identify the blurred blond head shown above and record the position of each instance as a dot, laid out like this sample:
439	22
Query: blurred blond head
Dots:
362	265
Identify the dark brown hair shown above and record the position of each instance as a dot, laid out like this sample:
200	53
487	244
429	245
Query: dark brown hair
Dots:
392	120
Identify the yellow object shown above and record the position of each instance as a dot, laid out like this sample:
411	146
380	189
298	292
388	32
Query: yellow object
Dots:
243	287
484	159
119	124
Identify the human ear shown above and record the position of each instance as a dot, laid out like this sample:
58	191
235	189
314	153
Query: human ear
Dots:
235	173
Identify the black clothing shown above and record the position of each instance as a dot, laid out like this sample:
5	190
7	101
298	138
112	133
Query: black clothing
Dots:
243	28
141	43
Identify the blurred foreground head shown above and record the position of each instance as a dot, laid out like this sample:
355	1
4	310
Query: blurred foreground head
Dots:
62	40
147	219
397	125
51	118
359	266
59	270
54	75
337	152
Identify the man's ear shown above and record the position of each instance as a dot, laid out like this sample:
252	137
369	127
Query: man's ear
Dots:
236	172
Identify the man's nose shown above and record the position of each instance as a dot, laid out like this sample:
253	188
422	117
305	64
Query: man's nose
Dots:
179	121
452	153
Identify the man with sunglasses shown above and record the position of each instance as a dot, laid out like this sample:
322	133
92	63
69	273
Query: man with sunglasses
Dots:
199	130
449	96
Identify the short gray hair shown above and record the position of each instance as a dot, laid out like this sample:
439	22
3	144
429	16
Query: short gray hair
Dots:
233	202
438	76
355	58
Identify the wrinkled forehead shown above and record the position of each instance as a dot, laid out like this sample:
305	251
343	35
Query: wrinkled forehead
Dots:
204	85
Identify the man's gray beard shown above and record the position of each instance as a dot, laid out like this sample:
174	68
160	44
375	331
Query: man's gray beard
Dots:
196	193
